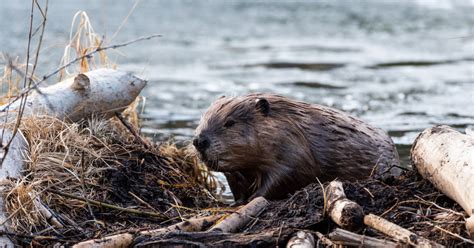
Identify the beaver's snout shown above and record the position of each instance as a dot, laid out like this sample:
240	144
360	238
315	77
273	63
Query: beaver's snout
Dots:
201	143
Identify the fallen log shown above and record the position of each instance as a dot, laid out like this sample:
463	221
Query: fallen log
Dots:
344	237
191	225
101	92
301	239
10	168
241	217
344	212
445	157
126	239
397	232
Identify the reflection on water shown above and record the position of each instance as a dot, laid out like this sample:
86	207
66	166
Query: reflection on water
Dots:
400	65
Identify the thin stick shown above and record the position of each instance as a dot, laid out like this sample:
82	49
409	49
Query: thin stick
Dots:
106	205
323	239
451	233
133	131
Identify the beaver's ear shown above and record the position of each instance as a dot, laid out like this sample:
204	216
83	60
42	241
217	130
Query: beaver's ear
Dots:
263	106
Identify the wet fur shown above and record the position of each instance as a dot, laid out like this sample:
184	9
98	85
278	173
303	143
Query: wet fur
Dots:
280	151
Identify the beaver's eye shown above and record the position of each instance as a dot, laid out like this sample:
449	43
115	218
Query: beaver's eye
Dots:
229	123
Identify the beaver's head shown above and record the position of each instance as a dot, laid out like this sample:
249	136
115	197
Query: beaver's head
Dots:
227	137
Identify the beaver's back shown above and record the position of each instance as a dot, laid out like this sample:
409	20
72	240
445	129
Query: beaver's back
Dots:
348	148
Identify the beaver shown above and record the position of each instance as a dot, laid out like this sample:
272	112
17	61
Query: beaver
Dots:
270	145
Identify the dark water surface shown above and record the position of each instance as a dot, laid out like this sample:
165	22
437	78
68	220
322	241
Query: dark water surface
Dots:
400	65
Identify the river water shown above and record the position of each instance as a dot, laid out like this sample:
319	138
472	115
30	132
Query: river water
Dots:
400	65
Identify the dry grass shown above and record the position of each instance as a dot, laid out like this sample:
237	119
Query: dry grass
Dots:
100	161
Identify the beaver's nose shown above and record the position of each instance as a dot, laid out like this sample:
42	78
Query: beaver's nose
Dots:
201	143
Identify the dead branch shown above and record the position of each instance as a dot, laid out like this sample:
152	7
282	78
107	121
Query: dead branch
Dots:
241	217
344	237
344	212
397	232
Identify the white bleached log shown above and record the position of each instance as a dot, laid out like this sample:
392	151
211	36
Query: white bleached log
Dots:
344	212
301	239
126	239
100	92
445	157
12	167
241	217
398	233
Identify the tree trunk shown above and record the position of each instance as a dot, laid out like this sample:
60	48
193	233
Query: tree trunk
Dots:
445	157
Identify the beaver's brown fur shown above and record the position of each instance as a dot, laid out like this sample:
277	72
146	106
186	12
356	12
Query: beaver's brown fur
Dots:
269	145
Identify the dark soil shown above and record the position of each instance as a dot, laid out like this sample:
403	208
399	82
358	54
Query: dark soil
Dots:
407	200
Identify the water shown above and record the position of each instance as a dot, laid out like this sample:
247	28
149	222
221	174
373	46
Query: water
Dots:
400	65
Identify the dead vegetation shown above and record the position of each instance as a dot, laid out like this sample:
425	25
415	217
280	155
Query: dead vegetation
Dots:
99	178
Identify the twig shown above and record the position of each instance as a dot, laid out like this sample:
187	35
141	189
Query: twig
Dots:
323	239
132	130
28	79
438	206
451	233
141	201
106	205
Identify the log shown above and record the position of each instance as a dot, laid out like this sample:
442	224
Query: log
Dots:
191	225
121	240
126	239
241	217
445	157
397	232
301	239
348	238
101	92
12	166
344	212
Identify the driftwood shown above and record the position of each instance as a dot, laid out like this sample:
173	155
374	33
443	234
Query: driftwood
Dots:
344	212
119	240
100	92
126	239
301	239
241	217
445	157
266	238
344	237
10	168
397	232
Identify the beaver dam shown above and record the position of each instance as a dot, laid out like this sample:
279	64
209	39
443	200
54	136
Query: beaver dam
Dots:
100	179
77	172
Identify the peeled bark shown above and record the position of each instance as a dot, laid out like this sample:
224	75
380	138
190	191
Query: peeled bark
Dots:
11	168
100	92
397	232
241	217
126	239
445	157
301	239
120	241
344	212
